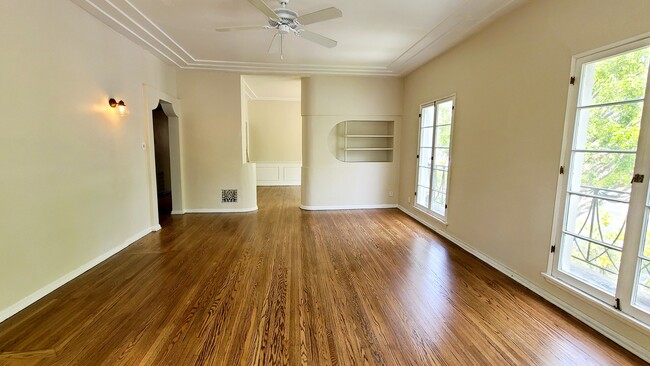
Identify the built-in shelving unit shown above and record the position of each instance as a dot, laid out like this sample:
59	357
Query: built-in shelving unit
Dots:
366	141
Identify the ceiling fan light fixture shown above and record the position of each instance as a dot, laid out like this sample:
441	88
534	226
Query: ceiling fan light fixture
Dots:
284	29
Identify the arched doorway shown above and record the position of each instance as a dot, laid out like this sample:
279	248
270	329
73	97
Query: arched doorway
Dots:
162	163
163	125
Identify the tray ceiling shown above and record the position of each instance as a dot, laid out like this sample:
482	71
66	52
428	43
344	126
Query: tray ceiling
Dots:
375	37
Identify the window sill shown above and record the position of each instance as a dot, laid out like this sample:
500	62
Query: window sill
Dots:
627	319
431	214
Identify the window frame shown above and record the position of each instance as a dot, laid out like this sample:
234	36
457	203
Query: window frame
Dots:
623	297
427	210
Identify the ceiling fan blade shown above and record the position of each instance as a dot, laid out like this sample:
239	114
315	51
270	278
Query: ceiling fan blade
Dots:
261	6
317	38
276	44
320	16
246	27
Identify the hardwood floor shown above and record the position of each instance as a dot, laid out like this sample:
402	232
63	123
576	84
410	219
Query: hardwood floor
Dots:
284	286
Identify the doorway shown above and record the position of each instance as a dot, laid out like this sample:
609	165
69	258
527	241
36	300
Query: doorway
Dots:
272	119
163	162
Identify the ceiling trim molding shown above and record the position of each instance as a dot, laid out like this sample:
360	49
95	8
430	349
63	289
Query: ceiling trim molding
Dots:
248	90
277	99
103	14
160	43
158	29
450	32
124	17
265	68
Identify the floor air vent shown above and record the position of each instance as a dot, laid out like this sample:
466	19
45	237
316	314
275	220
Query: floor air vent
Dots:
228	195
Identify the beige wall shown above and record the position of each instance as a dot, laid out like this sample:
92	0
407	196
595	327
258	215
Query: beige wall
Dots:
511	82
326	101
213	147
275	129
74	183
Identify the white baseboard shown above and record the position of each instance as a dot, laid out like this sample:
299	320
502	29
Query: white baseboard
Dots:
351	207
178	212
22	304
598	326
220	210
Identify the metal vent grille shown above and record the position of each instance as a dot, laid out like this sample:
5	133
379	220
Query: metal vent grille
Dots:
228	195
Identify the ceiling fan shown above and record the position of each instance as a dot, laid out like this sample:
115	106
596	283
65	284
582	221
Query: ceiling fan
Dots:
288	21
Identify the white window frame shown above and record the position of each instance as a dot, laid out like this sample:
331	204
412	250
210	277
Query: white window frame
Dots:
427	210
635	230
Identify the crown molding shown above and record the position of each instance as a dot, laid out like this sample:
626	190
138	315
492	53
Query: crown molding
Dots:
464	22
128	20
277	99
249	91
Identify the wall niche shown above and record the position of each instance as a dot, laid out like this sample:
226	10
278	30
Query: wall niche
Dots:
362	141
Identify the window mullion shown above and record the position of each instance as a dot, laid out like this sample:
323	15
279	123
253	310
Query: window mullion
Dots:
636	217
433	154
559	249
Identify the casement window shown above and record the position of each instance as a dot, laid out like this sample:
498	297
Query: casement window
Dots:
602	233
434	157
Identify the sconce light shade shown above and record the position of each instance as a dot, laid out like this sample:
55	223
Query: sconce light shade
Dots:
121	107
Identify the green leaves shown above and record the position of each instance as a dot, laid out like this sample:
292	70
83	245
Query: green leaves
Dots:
613	127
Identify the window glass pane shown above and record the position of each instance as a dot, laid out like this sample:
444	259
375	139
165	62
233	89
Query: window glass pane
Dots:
438	204
642	295
426	137
599	172
441	158
425	157
645	245
443	136
440	181
444	113
424	175
615	79
597	219
422	198
592	263
427	116
609	128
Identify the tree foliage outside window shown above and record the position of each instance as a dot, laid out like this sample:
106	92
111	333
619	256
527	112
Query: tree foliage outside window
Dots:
620	78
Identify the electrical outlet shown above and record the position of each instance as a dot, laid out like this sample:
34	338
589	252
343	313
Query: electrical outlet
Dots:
390	194
408	199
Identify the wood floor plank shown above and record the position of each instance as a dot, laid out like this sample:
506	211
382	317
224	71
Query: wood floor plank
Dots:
283	286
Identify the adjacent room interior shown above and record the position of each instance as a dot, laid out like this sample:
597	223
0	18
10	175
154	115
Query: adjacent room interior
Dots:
325	182
273	128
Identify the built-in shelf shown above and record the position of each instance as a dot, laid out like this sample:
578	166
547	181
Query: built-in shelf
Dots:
365	141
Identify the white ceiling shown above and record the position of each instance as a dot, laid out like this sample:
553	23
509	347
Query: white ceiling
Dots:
375	37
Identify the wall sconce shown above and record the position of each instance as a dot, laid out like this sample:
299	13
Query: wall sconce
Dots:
121	107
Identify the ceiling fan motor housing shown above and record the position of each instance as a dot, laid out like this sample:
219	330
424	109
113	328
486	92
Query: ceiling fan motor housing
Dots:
286	20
